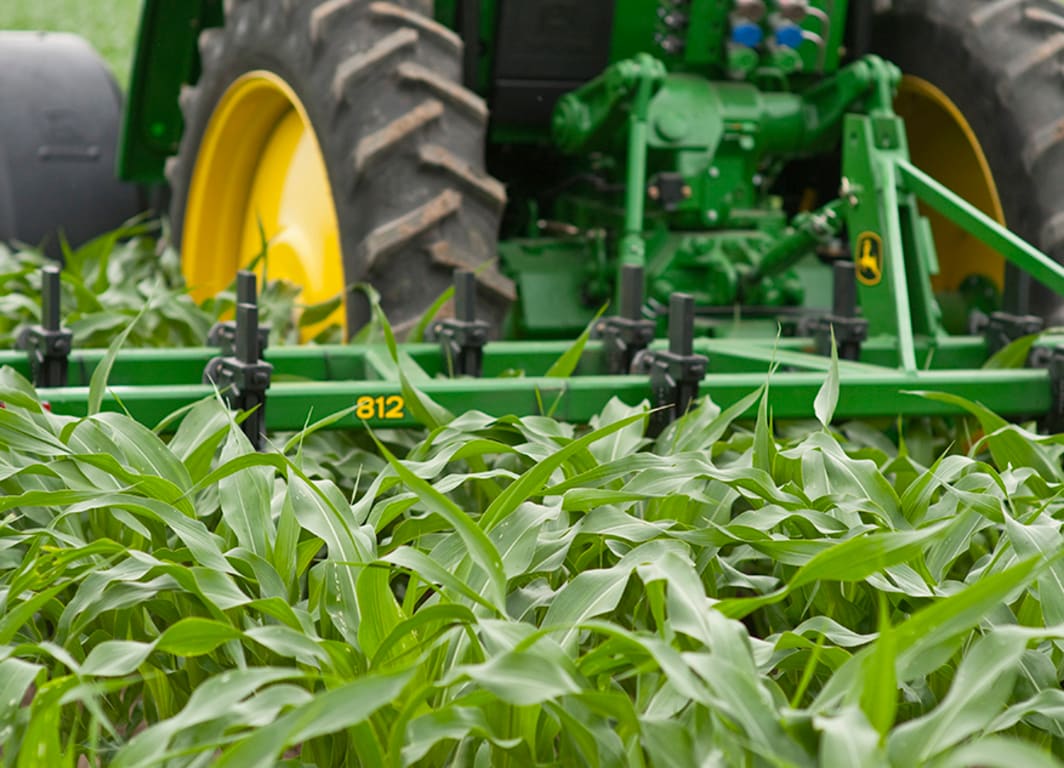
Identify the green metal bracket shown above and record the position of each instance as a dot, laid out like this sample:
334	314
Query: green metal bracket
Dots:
892	248
588	114
892	252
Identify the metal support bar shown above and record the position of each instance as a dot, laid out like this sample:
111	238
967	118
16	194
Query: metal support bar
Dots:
626	335
633	247
48	345
675	373
462	338
343	363
1010	392
895	260
244	377
976	223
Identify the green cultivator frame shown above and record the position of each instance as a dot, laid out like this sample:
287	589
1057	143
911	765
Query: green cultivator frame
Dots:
658	177
151	384
880	373
898	352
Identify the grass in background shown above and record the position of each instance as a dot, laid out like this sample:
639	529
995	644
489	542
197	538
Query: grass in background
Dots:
110	25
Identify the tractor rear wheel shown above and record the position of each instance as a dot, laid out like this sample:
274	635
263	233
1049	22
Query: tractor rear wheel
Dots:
337	131
983	100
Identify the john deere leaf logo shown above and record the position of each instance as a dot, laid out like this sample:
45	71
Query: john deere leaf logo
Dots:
869	258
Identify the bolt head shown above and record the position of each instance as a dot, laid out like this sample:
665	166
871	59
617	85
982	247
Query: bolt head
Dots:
750	9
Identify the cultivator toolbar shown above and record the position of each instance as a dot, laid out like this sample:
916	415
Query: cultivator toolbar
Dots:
885	325
667	175
376	387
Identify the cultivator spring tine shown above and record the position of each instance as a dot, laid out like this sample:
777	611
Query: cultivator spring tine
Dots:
625	335
675	373
463	337
850	331
223	335
48	345
240	373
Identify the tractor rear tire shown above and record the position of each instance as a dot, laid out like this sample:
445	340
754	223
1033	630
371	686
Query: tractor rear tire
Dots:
59	128
1000	63
401	139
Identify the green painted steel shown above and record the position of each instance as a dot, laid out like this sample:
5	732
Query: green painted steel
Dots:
504	359
312	382
973	221
673	156
166	58
1023	393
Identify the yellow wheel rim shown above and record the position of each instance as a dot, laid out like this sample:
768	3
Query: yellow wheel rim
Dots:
943	144
260	172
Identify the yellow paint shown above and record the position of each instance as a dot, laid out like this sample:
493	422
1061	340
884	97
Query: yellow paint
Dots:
869	259
383	408
943	144
260	172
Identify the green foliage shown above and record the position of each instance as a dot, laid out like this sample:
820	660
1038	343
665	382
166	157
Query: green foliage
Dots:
509	591
105	284
129	273
504	591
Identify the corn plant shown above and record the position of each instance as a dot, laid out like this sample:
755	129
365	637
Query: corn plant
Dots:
518	591
132	272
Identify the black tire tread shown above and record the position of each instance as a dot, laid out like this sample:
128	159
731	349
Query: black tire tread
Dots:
402	139
1000	62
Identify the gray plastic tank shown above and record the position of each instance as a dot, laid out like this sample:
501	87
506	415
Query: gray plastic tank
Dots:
60	118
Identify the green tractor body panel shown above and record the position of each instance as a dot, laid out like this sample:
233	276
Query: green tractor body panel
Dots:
533	53
659	138
684	115
166	58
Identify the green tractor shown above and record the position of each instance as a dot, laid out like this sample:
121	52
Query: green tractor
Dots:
781	162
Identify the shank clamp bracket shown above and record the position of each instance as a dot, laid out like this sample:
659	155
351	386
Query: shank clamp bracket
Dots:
242	376
626	335
675	373
48	345
1003	328
462	338
850	330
